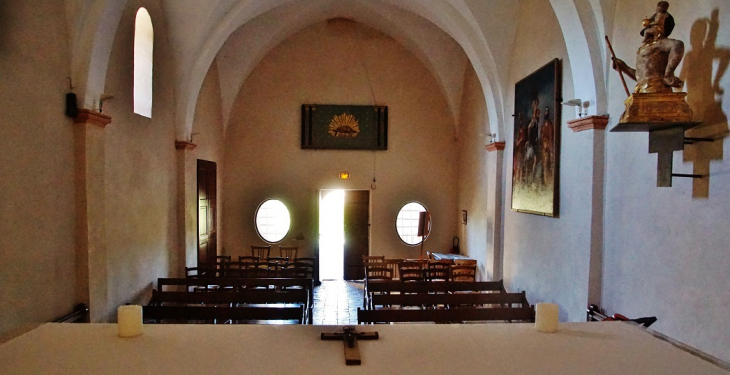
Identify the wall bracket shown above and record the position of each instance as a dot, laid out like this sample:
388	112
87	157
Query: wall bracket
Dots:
664	139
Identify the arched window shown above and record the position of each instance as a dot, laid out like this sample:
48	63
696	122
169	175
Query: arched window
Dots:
144	38
406	223
272	221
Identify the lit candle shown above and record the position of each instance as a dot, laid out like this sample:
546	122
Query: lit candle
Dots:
129	320
546	317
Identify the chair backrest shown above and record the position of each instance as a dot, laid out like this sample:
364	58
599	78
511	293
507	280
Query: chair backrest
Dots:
279	260
393	263
439	264
261	252
296	272
436	274
248	261
378	273
465	262
288	251
411	270
309	267
463	273
373	258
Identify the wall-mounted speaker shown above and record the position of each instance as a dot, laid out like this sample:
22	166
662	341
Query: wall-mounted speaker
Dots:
72	109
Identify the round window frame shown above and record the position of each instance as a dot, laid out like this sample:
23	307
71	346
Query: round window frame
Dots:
256	224
430	224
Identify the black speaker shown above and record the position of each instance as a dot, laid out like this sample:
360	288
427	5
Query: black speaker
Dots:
72	110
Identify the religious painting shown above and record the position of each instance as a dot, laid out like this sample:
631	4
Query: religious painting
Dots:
344	127
536	147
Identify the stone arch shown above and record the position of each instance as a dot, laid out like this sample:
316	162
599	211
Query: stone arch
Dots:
92	47
580	29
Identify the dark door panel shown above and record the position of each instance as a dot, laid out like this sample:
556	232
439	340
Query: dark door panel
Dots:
357	232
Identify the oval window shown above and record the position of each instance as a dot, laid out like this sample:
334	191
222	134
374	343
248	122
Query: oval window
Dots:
406	223
272	220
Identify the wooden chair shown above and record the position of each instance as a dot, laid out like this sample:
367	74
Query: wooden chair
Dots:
465	262
373	259
393	265
248	260
295	272
410	271
463	273
436	274
439	264
288	251
281	261
375	274
311	263
261	252
303	265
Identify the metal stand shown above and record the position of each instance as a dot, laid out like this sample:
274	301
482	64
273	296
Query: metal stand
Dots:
664	139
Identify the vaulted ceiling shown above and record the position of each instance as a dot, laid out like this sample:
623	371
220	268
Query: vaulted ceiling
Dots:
445	35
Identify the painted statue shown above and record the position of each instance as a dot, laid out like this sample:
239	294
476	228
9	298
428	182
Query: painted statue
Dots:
657	57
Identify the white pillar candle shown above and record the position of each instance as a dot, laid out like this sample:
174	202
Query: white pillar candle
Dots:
546	317
129	320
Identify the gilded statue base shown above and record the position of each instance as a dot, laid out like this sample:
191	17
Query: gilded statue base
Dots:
657	108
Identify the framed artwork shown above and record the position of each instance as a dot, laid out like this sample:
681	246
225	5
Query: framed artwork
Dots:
536	148
344	127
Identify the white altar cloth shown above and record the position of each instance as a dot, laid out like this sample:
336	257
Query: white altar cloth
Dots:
577	348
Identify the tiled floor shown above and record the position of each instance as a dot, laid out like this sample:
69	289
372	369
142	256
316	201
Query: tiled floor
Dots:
336	302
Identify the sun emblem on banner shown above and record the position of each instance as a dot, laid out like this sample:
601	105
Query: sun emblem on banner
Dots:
344	125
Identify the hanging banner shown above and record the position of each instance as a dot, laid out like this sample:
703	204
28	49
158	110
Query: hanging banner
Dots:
344	127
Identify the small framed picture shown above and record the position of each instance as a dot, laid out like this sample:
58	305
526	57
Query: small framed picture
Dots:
463	216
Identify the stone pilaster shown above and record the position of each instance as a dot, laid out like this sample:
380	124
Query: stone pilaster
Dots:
91	270
597	126
495	211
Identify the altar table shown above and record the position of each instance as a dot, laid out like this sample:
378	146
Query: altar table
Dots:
499	348
445	256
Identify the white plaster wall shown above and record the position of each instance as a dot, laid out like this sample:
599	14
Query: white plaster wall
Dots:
666	249
473	174
140	169
324	64
549	257
37	212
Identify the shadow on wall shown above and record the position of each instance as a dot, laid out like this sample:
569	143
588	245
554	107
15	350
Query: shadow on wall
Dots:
142	297
705	96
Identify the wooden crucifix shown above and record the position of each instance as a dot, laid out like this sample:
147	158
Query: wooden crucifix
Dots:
349	337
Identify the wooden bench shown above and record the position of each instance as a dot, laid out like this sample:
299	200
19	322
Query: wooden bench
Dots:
78	315
451	300
459	315
425	287
221	314
231	285
264	296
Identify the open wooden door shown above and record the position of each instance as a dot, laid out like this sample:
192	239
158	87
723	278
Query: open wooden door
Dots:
357	232
207	234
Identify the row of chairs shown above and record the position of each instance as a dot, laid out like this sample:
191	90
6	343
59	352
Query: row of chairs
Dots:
249	267
377	268
259	264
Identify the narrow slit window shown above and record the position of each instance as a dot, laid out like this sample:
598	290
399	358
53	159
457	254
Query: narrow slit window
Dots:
143	43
